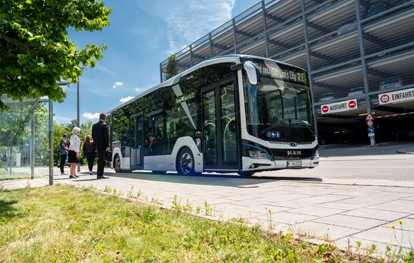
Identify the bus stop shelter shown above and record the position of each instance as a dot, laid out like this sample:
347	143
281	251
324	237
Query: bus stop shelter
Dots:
26	139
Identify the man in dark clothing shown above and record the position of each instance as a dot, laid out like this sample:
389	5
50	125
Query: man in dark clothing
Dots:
63	153
100	137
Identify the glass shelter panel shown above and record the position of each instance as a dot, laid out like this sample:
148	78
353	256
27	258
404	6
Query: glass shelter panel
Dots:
24	140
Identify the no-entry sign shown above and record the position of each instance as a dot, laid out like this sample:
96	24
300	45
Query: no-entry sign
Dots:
339	106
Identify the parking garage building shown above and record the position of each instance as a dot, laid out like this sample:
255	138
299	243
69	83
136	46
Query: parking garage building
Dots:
359	55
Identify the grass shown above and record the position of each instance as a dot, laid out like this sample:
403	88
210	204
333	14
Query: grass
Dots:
70	224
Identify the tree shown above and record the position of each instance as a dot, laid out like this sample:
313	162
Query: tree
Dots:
35	50
171	68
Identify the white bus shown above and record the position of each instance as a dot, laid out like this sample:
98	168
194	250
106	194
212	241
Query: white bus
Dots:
234	113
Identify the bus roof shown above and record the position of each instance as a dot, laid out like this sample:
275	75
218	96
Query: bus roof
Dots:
235	58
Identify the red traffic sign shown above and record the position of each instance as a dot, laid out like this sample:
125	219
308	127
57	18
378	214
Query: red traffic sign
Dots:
369	117
352	104
370	123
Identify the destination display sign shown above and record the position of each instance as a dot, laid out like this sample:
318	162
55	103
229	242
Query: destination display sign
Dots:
339	106
281	71
396	96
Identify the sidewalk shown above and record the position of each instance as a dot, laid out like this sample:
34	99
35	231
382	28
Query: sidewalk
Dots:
313	211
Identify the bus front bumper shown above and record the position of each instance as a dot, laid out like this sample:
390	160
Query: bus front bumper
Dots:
250	164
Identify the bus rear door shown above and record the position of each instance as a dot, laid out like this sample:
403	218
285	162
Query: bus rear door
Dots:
137	154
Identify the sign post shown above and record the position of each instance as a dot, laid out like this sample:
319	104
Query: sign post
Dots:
371	130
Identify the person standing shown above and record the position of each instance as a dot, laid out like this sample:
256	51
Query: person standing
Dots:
63	153
74	150
89	152
100	136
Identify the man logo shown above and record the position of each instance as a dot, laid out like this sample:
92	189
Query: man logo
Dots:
293	144
294	153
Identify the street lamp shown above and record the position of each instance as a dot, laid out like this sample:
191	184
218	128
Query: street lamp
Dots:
77	104
77	112
77	100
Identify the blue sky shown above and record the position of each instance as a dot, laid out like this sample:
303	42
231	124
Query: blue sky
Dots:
142	33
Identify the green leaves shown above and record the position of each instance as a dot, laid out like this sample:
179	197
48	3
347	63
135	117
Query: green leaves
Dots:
39	52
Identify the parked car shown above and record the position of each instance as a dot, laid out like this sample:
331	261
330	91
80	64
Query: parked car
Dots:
355	92
348	27
376	8
327	97
391	83
326	38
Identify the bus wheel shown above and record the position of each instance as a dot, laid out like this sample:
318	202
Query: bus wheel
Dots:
117	164
185	162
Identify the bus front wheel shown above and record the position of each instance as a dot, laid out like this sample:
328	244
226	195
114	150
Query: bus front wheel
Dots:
185	162
117	164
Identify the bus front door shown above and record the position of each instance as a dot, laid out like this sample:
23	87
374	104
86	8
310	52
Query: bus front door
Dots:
220	137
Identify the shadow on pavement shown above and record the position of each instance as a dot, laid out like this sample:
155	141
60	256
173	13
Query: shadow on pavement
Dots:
389	148
231	180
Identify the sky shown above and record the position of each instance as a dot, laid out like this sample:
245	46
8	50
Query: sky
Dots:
141	34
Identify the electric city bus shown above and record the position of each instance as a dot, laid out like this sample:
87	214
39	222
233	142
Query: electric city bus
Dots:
231	114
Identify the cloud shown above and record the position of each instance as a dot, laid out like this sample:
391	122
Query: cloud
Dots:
117	84
188	20
61	119
123	100
91	116
104	69
194	19
140	90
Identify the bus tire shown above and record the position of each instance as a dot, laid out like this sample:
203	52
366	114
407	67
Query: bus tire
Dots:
185	162
117	165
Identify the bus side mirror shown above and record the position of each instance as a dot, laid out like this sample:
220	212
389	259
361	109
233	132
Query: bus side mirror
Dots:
252	72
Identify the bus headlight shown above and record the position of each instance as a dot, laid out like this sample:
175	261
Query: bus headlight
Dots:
255	151
257	154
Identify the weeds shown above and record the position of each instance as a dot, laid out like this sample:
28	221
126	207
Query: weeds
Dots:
130	194
398	253
139	194
208	209
107	189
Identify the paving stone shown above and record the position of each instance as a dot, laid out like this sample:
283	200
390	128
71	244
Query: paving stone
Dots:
351	221
375	214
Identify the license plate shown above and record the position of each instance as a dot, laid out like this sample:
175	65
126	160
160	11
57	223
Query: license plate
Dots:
294	163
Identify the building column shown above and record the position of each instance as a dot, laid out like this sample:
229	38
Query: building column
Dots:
265	29
308	59
234	35
363	62
191	56
211	44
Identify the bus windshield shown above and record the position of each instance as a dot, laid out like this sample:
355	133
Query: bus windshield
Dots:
279	110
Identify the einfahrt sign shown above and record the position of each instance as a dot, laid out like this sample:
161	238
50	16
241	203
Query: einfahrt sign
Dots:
396	96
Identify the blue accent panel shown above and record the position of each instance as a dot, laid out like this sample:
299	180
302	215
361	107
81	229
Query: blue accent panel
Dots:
258	148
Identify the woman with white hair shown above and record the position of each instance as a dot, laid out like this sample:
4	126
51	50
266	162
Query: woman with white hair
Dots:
74	150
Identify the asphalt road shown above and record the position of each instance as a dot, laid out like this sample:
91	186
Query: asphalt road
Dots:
387	164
